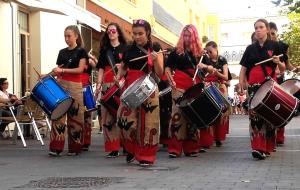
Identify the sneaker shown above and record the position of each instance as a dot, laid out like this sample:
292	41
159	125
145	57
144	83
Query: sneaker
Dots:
85	148
218	143
202	150
100	131
72	153
279	143
54	154
268	154
259	155
173	155
124	152
144	163
129	158
113	154
192	154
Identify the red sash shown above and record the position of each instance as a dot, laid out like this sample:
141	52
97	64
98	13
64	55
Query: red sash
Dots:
183	80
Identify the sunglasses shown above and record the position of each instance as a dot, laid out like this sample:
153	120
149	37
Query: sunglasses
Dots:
272	33
139	21
111	31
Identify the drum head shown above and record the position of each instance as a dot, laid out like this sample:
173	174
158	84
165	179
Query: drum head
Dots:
191	94
291	86
134	86
261	93
61	109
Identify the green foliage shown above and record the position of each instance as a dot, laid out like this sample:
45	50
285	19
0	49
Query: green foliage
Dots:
292	33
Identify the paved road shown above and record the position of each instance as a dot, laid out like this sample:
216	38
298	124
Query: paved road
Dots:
227	167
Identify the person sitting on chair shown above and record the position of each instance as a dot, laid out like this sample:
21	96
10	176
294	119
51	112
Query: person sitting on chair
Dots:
6	99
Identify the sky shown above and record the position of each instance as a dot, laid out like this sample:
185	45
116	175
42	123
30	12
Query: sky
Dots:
241	8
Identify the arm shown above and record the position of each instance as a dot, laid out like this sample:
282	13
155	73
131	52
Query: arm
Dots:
242	80
77	70
223	75
158	61
171	81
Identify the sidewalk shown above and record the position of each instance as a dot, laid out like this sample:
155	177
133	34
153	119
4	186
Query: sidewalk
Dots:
228	167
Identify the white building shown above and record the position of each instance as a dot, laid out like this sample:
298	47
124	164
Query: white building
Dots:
235	36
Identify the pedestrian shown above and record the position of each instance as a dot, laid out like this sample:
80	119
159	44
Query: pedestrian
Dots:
261	132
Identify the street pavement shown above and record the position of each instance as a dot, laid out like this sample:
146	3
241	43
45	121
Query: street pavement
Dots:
228	167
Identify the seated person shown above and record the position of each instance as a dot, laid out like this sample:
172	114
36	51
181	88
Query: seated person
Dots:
6	99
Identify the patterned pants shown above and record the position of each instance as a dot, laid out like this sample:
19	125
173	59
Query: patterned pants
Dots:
71	123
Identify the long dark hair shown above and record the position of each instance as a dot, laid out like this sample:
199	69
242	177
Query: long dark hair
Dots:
105	42
2	80
75	29
146	25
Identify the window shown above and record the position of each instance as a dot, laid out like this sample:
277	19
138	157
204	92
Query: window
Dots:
80	3
23	21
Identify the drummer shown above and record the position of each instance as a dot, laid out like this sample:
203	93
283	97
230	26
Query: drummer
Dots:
252	76
280	77
183	60
71	62
140	126
113	45
86	136
218	78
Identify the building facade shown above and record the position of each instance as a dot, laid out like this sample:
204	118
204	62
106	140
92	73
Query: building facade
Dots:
32	30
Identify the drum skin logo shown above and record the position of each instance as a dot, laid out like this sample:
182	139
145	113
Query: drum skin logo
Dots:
277	107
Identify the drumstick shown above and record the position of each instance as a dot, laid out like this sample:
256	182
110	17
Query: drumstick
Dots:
37	72
197	69
144	56
270	59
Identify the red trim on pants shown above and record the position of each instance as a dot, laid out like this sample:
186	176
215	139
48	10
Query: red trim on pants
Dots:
206	138
220	131
146	153
188	146
258	141
110	146
280	135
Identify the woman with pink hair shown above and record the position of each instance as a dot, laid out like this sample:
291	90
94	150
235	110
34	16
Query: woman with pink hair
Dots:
184	136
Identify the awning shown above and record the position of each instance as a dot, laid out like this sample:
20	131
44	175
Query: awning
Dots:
60	7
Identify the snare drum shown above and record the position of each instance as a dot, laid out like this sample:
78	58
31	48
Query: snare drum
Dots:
139	91
292	86
200	106
218	97
52	98
273	104
88	98
111	99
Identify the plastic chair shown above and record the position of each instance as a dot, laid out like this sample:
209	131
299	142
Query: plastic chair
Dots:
28	113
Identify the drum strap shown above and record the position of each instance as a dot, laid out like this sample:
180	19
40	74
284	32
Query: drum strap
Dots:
200	73
153	74
111	61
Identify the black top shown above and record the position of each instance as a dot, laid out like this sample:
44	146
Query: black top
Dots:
134	52
254	53
218	64
284	48
184	61
71	58
117	53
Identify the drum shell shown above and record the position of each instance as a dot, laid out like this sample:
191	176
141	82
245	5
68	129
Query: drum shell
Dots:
277	106
111	100
292	86
139	91
88	98
199	107
49	95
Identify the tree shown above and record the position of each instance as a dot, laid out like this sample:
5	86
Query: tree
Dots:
292	32
292	37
